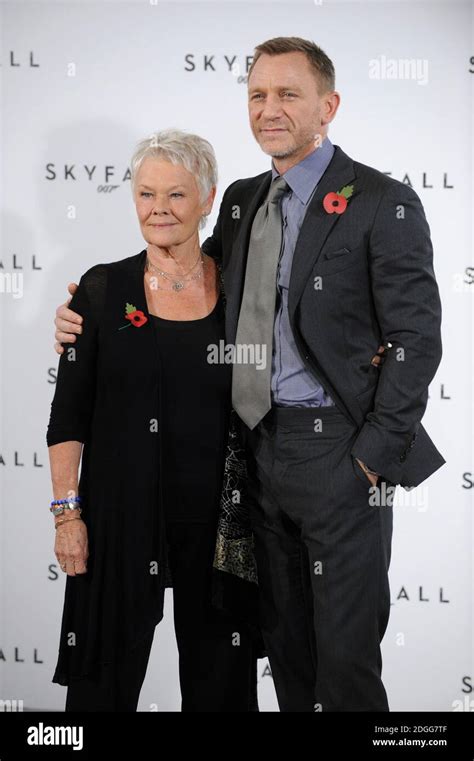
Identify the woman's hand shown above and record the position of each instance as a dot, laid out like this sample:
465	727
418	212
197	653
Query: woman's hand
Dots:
71	546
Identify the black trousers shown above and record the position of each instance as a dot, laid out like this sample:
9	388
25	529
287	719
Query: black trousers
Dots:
323	554
217	665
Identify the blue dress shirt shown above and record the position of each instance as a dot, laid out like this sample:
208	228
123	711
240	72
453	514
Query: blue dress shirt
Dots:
292	384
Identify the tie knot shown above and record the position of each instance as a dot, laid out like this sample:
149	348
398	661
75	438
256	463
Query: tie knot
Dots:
277	188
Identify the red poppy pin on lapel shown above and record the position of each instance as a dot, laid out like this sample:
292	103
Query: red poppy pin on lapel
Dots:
337	202
136	317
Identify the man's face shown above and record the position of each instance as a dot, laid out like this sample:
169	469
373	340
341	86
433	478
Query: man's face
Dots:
285	109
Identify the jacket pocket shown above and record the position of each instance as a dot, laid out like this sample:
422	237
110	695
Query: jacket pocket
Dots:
336	252
337	260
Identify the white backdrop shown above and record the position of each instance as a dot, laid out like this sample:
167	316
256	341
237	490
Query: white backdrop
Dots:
81	83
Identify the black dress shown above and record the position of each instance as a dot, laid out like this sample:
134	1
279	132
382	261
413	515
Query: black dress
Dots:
195	415
214	674
109	395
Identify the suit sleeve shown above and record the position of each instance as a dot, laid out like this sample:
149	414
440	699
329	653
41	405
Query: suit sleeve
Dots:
73	402
212	246
408	309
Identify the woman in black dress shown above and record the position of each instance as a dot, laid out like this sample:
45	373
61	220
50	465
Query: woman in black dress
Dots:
161	460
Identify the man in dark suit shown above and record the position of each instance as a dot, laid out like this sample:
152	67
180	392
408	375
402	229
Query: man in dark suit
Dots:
324	260
351	272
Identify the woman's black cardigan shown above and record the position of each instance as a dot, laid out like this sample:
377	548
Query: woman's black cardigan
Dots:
108	396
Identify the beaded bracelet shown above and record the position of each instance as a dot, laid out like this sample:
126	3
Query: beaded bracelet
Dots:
58	506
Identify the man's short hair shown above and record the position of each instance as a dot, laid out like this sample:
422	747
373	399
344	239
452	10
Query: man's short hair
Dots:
322	65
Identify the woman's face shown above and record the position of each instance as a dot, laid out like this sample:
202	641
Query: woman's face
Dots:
167	202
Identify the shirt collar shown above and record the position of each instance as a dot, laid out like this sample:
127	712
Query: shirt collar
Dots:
303	177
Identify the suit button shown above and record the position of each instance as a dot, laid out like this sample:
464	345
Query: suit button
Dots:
403	457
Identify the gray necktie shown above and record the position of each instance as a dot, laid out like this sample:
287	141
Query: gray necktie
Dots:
250	385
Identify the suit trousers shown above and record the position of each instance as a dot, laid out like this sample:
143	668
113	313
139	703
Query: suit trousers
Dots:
323	554
217	664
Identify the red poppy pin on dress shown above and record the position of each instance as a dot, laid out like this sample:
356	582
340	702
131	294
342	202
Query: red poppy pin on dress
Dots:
136	317
337	202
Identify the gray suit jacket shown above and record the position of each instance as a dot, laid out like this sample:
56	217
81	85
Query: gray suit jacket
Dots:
359	279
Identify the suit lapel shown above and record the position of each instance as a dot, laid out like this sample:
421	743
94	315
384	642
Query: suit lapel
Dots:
234	272
317	225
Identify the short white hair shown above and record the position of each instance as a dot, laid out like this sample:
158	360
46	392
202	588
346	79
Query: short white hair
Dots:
185	149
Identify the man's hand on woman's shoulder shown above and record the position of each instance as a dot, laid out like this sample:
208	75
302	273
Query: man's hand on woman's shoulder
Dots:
67	322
